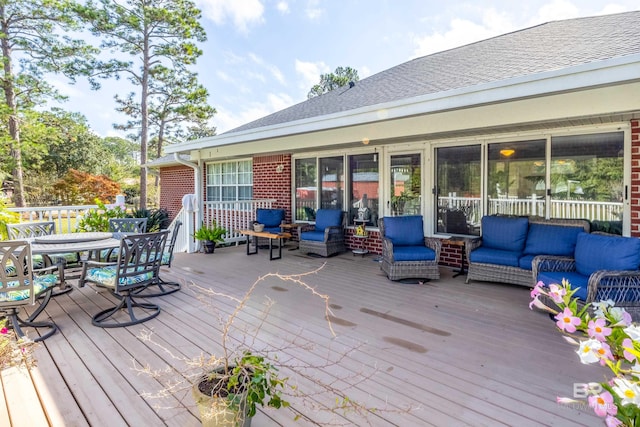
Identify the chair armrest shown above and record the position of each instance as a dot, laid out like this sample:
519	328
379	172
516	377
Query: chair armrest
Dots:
435	244
470	244
387	249
333	232
613	284
552	263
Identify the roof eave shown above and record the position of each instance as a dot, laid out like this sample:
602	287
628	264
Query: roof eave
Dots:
581	77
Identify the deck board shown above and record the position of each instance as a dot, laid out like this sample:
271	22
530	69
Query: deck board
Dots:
453	353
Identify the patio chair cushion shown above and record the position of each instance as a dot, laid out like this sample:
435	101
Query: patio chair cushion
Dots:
494	256
578	281
40	284
328	218
106	276
271	218
315	236
546	239
413	253
597	252
404	230
504	233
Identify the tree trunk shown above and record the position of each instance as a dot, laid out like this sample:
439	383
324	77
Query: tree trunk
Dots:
144	125
14	120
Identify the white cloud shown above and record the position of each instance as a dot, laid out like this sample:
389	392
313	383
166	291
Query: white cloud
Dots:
273	70
283	7
310	72
462	32
226	119
313	9
555	11
243	13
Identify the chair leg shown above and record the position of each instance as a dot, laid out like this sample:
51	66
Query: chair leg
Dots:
104	318
163	288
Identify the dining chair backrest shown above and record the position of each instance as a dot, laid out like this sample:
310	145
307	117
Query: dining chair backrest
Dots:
171	243
29	230
128	225
16	275
139	260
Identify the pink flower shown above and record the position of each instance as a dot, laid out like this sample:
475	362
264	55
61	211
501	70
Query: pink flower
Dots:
604	353
612	422
603	404
566	321
4	331
627	343
557	293
537	289
597	329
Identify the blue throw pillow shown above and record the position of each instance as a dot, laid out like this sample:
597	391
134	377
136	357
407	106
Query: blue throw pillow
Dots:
504	233
597	252
547	239
404	230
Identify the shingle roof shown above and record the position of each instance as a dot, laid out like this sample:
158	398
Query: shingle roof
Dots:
547	47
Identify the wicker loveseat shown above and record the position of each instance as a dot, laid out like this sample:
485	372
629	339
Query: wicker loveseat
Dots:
603	267
508	246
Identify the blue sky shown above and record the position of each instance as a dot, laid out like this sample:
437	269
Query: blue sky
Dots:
264	55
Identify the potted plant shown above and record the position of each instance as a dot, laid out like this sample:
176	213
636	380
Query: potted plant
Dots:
210	236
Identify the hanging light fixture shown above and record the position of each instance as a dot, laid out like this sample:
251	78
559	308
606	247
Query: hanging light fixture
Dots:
507	152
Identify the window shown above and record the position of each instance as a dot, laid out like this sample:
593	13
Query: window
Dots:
406	183
230	181
306	185
587	177
363	189
516	178
458	189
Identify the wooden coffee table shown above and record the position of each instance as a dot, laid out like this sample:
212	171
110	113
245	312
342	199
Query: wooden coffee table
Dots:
266	235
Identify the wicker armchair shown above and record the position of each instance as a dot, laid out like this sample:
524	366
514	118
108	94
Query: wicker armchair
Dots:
327	238
604	268
406	253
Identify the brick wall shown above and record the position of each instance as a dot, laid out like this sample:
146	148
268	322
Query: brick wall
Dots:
635	178
175	182
272	180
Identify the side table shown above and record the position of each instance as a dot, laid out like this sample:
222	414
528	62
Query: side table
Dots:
461	242
362	250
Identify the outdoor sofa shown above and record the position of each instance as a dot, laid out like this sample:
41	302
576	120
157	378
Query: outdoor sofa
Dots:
509	244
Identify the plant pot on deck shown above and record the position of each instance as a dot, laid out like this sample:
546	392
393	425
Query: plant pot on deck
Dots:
217	407
208	246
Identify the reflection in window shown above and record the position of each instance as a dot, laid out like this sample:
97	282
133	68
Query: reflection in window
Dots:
306	182
332	182
516	178
406	177
587	177
458	188
230	181
363	176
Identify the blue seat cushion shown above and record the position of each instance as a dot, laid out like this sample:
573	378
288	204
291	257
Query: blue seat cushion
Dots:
547	239
328	218
404	230
106	276
270	217
577	281
316	236
597	252
525	261
494	256
504	233
413	253
40	284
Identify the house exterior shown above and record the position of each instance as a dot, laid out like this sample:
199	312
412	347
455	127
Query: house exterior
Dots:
543	121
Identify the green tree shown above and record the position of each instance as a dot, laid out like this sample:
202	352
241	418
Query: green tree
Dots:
177	106
155	33
328	82
34	41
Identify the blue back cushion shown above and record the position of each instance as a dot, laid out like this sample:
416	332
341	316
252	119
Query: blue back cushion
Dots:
597	252
270	217
547	239
504	233
328	218
404	230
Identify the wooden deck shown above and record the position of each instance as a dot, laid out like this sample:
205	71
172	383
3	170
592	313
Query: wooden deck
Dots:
443	353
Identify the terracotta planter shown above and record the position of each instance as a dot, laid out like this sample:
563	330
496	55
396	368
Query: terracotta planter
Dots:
219	411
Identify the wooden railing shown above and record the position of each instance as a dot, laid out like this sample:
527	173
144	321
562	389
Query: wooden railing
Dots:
234	215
